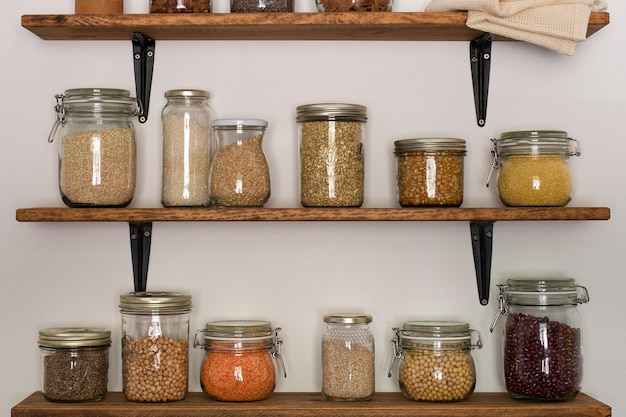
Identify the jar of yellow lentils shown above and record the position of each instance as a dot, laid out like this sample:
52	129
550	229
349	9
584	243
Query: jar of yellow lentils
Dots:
434	360
533	168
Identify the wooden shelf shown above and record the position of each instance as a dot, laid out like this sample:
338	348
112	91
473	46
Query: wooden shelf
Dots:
312	404
388	26
308	214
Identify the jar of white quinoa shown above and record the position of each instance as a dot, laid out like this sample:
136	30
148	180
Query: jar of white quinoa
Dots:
533	168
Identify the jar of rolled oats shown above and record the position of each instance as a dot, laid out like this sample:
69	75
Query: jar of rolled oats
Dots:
430	171
330	138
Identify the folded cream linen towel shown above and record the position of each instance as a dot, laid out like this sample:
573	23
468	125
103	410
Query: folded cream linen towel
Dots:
553	24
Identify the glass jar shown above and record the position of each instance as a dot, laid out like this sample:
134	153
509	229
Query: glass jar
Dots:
430	171
186	148
252	6
434	360
155	349
348	357
533	168
74	363
543	356
240	175
97	148
354	5
180	6
239	360
330	137
99	6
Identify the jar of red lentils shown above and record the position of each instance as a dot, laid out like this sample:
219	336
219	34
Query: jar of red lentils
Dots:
434	360
542	349
239	361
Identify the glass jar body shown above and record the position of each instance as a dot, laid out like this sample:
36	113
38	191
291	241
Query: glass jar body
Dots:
99	6
155	353
186	149
240	175
180	6
348	362
253	6
354	5
97	147
330	139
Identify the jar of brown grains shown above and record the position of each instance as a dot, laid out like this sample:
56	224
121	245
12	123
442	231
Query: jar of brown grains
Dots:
543	342
330	138
186	124
348	357
533	168
434	360
74	363
180	6
97	147
354	5
430	171
239	360
155	349
240	175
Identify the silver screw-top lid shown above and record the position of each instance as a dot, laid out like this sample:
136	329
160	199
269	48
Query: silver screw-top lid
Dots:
155	301
430	144
187	93
331	111
348	318
67	337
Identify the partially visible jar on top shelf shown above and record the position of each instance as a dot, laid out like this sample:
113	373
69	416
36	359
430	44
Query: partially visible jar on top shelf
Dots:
99	6
257	6
180	6
97	146
533	168
354	5
240	175
430	171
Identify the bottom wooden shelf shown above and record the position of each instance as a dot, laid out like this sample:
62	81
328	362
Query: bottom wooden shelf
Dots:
312	404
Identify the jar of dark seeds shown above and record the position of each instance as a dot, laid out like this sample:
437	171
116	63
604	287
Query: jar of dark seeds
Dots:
543	356
354	5
240	175
97	149
430	171
186	124
254	6
155	349
348	357
533	168
330	137
180	6
74	363
434	360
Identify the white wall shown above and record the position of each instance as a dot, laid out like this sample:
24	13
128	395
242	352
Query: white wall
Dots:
292	273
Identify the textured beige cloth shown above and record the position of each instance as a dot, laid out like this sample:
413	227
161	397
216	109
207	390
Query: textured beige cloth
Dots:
553	24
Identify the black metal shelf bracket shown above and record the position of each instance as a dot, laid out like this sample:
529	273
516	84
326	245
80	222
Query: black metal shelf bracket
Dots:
140	239
482	247
143	57
480	62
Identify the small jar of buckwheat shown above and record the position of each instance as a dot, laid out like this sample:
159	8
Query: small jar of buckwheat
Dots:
155	349
430	172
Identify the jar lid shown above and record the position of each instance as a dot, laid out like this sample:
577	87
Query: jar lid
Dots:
240	123
436	330
430	144
535	142
187	93
112	100
336	111
545	291
348	318
541	285
155	301
67	337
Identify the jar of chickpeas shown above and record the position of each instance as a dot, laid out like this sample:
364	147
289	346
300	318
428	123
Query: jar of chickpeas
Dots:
434	360
533	168
430	171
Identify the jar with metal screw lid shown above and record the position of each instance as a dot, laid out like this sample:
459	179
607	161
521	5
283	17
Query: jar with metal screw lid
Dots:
533	168
239	360
434	360
240	175
330	137
542	350
74	363
430	171
348	357
97	146
186	128
155	348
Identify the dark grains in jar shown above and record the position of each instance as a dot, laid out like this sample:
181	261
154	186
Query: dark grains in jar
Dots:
180	6
542	358
250	6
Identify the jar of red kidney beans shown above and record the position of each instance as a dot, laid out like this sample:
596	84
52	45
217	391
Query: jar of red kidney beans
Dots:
542	347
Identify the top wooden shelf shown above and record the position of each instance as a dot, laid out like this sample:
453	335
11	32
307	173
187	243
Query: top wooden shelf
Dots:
384	26
46	214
